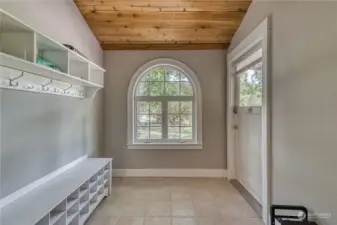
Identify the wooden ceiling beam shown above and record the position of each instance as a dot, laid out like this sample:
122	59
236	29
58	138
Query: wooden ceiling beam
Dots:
110	16
163	6
117	24
101	31
170	39
125	46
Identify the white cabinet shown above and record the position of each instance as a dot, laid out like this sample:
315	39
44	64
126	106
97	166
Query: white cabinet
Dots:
24	53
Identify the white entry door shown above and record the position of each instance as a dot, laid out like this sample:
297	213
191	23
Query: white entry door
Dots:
248	84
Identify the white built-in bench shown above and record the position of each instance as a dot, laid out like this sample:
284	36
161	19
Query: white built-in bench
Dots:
66	199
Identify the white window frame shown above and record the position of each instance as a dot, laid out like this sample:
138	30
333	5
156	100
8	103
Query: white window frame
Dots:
196	99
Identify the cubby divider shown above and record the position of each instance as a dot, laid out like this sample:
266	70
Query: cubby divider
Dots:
61	221
55	216
101	190
84	213
72	212
75	220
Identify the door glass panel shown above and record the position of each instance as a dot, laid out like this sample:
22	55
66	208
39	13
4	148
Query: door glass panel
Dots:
251	86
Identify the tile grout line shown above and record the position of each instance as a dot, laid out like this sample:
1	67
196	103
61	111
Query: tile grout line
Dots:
195	210
171	211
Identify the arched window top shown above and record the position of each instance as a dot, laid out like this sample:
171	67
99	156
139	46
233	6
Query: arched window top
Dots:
164	80
164	106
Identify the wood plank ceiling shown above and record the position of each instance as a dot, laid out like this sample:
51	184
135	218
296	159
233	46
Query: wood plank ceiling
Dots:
163	24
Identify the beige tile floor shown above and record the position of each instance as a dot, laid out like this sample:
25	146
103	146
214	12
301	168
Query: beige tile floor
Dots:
174	201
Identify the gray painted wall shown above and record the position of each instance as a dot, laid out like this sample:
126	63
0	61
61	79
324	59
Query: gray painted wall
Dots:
40	132
304	106
209	66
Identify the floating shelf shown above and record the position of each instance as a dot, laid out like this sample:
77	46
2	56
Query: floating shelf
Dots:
20	45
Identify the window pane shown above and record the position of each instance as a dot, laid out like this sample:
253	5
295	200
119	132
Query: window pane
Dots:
186	107
172	75
155	107
155	120
143	89
158	74
142	107
172	89
173	133
186	120
156	88
186	89
143	120
183	77
145	77
173	107
186	133
174	120
155	133
251	87
143	133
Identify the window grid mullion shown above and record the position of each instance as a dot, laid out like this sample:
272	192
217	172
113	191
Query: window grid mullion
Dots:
165	119
179	119
149	122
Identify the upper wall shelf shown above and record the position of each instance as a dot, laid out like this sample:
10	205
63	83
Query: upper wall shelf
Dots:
31	61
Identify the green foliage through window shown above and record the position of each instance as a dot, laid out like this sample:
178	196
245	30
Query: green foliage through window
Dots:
164	82
251	87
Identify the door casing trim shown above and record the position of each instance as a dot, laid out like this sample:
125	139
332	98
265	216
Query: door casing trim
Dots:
260	34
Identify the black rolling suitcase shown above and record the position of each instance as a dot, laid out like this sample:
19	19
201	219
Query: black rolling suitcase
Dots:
290	219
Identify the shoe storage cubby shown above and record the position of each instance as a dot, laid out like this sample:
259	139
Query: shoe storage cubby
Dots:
34	55
67	199
57	215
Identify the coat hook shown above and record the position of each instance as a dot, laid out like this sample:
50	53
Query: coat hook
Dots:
44	86
16	83
65	90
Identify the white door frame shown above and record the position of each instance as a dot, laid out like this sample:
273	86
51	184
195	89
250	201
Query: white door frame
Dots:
261	34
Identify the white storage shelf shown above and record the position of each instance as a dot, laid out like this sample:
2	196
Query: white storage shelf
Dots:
69	197
20	45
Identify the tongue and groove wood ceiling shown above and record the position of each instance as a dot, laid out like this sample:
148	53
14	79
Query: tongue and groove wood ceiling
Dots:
163	24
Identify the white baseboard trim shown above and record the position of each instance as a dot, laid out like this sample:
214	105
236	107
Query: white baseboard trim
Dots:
22	191
169	173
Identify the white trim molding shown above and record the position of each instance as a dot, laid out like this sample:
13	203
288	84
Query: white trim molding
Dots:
215	173
22	191
196	142
260	35
167	146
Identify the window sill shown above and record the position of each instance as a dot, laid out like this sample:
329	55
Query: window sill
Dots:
165	146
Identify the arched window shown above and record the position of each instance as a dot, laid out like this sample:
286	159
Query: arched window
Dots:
164	107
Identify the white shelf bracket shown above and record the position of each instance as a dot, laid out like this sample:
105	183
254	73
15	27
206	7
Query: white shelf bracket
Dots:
91	92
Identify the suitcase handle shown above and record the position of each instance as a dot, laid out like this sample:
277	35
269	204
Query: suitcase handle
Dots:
273	209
